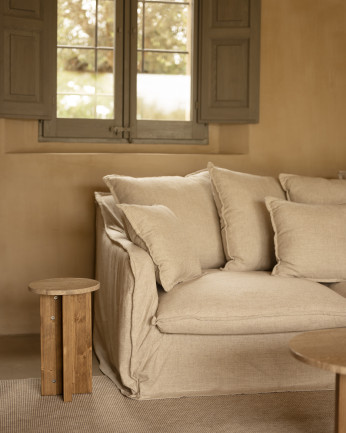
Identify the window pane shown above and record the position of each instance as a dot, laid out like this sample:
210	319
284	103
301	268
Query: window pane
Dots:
166	26
140	58
164	61
75	70
85	79
140	22
163	97
104	107
76	22
105	85
76	106
105	30
105	72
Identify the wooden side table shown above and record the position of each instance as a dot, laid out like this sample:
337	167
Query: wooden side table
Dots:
66	346
326	349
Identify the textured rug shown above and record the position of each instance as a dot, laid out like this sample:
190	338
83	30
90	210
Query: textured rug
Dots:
22	409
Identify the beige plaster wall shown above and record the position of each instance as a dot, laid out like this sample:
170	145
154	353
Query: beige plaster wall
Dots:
46	210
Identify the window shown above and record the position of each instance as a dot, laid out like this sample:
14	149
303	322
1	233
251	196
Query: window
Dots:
126	70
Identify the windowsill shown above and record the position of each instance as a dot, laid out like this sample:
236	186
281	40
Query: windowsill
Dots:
21	136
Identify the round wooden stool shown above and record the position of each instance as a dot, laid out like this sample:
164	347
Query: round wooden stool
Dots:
66	344
326	349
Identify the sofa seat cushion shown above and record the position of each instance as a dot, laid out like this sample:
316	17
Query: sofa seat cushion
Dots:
255	302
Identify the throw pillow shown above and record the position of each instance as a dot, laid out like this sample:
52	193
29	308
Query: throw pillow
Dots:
246	230
191	200
158	230
310	240
314	190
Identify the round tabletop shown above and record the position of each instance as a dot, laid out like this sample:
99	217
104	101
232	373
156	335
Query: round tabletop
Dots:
64	286
325	349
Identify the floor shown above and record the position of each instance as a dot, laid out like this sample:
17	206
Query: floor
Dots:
20	357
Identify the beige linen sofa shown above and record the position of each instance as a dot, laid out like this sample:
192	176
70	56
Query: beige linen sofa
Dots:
188	304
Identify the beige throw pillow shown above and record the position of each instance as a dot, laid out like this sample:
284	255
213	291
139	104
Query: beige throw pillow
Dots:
310	240
158	230
246	230
190	198
314	190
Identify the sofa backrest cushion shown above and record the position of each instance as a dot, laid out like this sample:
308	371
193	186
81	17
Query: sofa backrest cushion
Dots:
304	189
191	200
310	240
158	230
246	230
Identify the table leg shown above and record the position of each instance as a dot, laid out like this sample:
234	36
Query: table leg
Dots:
51	354
340	400
68	346
83	345
77	345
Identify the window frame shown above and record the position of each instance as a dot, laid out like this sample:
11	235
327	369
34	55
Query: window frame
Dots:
125	128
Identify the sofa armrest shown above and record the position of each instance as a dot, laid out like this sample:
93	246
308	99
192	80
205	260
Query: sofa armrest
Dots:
124	337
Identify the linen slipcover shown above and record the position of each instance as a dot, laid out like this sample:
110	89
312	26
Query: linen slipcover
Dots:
310	240
246	231
162	234
146	363
313	190
189	197
339	287
245	303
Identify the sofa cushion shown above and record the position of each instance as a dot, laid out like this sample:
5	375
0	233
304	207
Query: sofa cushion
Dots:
310	240
112	215
304	189
157	230
248	303
190	198
246	230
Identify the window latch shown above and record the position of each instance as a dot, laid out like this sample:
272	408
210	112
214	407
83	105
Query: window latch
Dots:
120	131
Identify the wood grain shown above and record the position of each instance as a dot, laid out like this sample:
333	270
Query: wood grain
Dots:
51	353
77	345
324	349
68	346
64	286
66	335
340	404
83	344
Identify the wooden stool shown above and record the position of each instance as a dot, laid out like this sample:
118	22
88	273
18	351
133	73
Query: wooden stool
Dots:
66	346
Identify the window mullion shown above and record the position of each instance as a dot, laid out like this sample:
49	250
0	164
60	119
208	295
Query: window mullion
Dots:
96	55
131	50
119	65
143	36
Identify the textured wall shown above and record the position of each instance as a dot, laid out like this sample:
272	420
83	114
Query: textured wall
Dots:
46	208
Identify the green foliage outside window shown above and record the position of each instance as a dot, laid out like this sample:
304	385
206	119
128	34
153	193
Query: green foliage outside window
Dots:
86	56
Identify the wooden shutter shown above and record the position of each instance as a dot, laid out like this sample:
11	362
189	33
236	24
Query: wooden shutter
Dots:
27	53
229	61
